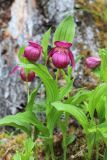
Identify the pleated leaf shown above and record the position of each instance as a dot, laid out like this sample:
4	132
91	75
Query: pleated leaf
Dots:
65	31
74	111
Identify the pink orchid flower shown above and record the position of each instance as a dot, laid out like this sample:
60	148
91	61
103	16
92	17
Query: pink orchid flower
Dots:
61	55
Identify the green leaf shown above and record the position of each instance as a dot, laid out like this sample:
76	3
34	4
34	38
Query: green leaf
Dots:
63	126
31	119
65	31
32	98
17	156
100	108
21	52
96	96
103	55
22	59
70	139
24	121
45	42
28	146
102	129
69	72
52	118
106	109
16	121
105	154
50	83
28	151
81	96
64	91
90	143
74	111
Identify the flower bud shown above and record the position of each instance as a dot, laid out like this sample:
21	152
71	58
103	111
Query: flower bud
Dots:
28	77
93	62
61	55
33	51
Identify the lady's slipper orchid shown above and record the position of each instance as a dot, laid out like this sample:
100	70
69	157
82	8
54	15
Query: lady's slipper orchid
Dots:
27	77
61	54
33	51
93	62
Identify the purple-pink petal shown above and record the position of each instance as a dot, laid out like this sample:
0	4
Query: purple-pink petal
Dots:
61	55
36	45
63	44
72	59
32	54
27	77
60	60
16	68
50	55
93	62
33	51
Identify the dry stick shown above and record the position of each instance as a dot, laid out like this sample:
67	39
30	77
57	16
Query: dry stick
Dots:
79	153
7	151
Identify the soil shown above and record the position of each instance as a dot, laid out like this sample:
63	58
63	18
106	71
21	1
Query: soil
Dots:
10	143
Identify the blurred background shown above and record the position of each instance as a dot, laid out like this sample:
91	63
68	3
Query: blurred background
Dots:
21	20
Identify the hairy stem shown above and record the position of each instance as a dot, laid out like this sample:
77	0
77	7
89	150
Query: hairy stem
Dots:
51	148
97	146
89	148
64	137
57	74
27	86
64	146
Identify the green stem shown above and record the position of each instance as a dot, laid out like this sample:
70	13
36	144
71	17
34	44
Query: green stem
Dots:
57	74
51	148
27	86
64	137
90	141
97	151
97	146
47	155
36	152
64	146
63	74
89	148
